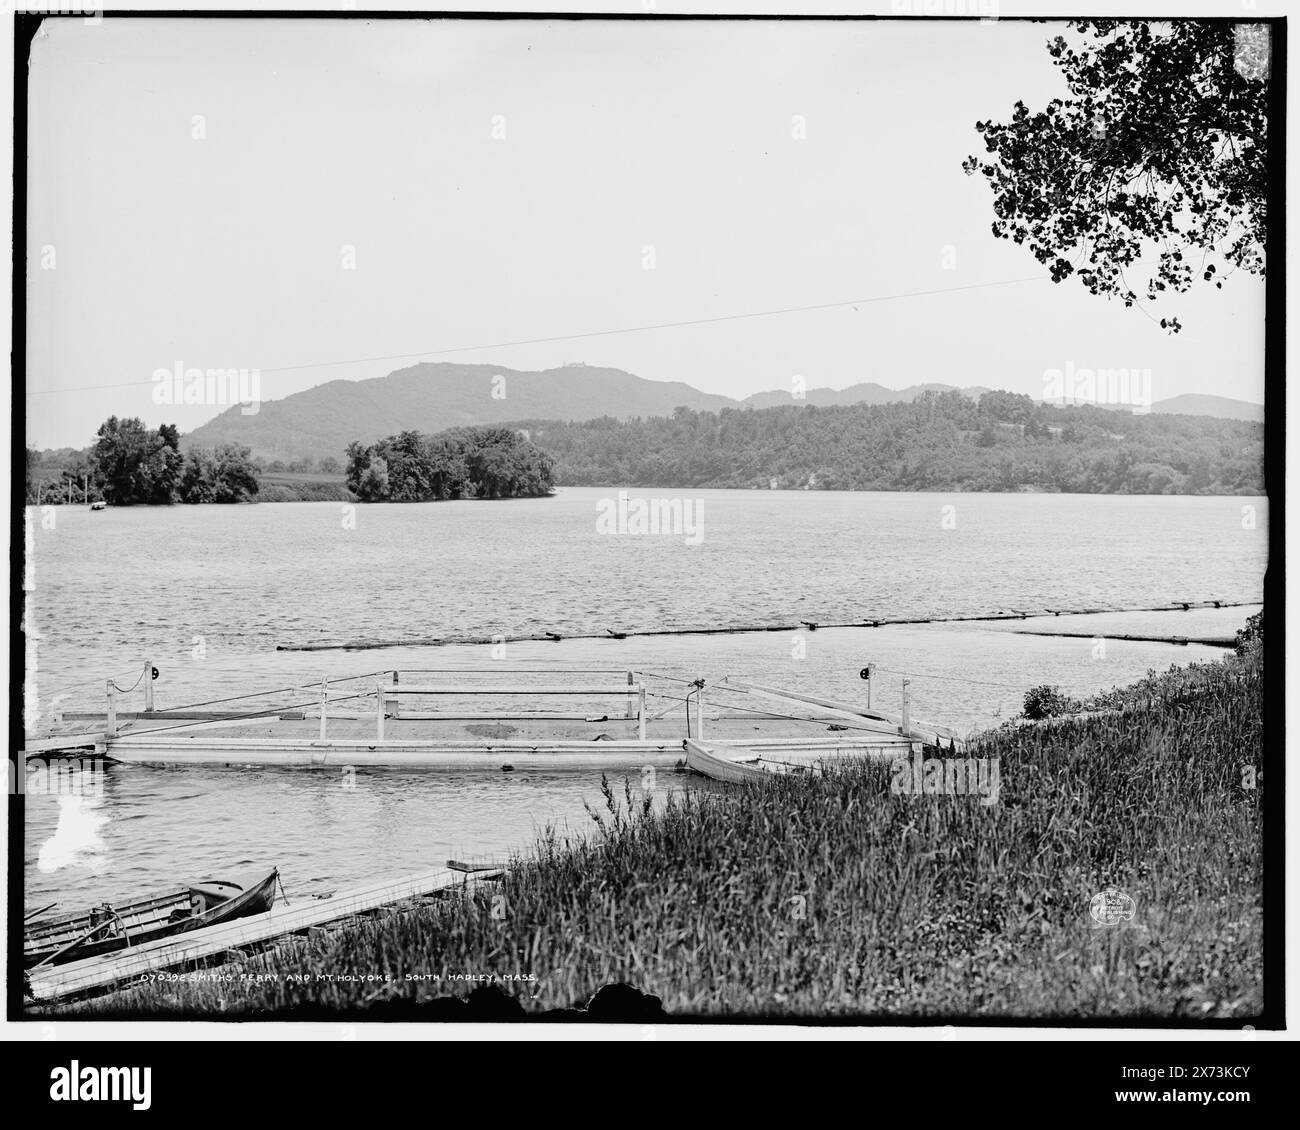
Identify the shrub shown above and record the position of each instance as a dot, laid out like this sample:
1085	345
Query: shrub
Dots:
1048	702
1250	639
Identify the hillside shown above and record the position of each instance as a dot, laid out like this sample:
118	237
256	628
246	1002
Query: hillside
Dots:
1221	407
430	397
941	441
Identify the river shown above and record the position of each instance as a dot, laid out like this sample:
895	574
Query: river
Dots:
207	593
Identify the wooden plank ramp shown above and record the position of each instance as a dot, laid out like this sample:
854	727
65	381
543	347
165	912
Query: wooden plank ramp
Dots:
52	983
35	747
577	754
927	732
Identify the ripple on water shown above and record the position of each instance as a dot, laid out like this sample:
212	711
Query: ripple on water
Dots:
135	583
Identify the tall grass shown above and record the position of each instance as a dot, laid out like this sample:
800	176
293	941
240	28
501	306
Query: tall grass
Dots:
800	897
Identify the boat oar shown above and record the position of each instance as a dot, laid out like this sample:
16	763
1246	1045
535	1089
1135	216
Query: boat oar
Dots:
74	944
33	913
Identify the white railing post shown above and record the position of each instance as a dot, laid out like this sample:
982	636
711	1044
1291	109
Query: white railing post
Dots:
907	722
379	712
110	724
631	700
397	699
699	711
641	714
324	703
148	685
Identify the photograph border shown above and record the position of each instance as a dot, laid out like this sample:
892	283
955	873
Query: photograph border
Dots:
1273	753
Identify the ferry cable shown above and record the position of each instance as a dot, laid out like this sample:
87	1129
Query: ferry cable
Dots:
64	687
234	698
950	678
190	724
667	709
279	690
127	690
854	302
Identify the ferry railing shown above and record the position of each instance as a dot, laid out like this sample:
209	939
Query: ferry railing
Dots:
388	696
112	691
611	672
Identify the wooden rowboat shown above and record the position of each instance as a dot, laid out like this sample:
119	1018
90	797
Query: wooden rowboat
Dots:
106	928
740	767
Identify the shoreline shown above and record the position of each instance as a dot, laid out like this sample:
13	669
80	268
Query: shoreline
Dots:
737	901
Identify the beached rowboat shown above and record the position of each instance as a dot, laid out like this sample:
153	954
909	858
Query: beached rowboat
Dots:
738	766
106	928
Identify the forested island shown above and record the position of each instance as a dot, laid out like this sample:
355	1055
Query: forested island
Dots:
940	441
474	462
131	464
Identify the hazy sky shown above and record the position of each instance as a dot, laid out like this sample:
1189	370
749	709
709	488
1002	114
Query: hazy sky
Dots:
226	250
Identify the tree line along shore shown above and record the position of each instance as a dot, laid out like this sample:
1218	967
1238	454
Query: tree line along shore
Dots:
131	464
940	441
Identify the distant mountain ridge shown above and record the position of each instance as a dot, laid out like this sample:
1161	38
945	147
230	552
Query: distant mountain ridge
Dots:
431	396
1202	404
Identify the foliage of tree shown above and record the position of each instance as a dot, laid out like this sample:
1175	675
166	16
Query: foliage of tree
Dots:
134	464
1250	638
131	464
941	441
478	462
62	475
1159	153
225	475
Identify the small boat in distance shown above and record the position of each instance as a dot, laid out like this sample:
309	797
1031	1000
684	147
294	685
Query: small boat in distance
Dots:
101	505
739	769
106	929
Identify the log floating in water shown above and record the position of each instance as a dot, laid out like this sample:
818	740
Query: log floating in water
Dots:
736	629
1208	641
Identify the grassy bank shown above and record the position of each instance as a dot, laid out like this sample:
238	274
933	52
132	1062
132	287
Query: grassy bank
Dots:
303	486
841	897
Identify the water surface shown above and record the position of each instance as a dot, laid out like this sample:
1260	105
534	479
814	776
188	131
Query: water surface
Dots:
206	594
